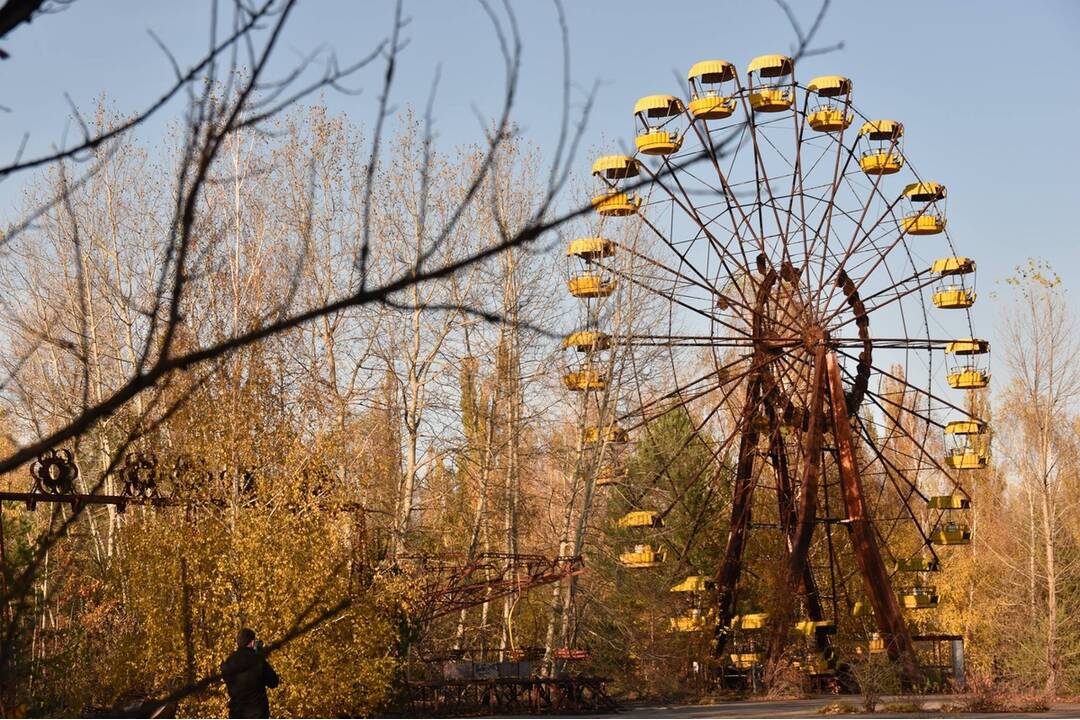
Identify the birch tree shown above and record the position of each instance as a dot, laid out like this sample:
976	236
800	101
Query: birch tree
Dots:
1042	351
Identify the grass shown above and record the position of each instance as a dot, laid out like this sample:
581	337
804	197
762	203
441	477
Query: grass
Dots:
1005	704
839	708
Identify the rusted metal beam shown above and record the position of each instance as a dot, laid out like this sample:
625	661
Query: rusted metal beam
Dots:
797	569
31	499
76	499
448	584
785	498
879	588
727	578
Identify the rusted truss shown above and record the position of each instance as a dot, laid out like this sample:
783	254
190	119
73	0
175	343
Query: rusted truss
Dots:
450	583
504	696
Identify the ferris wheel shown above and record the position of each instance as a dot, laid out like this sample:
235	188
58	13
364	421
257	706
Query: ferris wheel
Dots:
815	325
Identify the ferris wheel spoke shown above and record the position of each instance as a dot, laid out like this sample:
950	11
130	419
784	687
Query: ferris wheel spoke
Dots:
634	280
901	236
892	472
762	178
720	377
798	183
879	401
688	208
729	195
697	476
702	341
865	206
696	526
859	236
829	201
895	343
889	445
803	223
916	389
721	448
705	283
900	291
798	187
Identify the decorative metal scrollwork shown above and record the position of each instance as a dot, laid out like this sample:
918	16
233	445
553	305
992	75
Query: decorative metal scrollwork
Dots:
55	472
140	475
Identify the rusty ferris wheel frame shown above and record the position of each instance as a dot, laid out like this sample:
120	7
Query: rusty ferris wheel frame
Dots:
771	231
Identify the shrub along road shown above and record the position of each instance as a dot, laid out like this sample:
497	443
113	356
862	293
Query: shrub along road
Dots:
810	707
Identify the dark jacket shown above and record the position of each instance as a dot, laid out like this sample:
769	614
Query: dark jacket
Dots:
247	674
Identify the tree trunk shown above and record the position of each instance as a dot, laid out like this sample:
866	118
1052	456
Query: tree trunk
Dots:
1051	595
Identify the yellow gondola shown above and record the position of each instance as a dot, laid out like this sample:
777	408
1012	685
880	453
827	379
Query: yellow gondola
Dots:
917	564
590	249
642	556
923	224
615	167
810	628
711	90
750	621
587	341
925	216
965	427
954	297
953	266
591	285
924	192
610	169
745	661
968	378
582	380
610	433
876	644
694	584
656	112
965	459
832	115
951	533
641	518
919	598
609	475
949	502
968	346
881	139
616	204
694	621
774	96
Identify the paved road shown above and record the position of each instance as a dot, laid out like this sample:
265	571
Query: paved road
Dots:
809	708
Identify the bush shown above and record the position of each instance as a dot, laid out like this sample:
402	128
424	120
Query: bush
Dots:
988	695
877	676
785	679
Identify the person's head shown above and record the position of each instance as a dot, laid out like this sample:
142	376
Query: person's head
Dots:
245	638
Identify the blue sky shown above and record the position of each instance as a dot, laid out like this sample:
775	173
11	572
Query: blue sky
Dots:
987	90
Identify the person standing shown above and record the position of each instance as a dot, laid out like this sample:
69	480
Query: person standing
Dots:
247	674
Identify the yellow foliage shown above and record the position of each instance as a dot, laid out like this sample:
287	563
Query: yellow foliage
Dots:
171	607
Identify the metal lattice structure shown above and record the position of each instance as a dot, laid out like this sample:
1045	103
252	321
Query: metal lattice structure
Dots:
817	328
447	584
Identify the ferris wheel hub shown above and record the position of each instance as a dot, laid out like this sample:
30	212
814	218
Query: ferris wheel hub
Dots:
814	337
